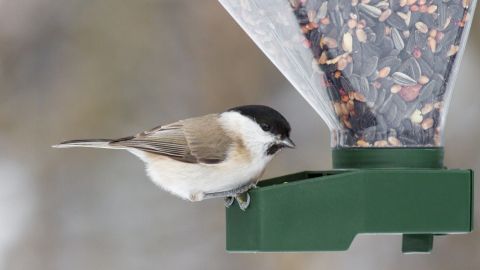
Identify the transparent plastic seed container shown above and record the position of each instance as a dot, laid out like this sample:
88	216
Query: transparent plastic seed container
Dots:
379	73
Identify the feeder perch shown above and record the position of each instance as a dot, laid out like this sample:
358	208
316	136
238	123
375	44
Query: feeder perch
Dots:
380	74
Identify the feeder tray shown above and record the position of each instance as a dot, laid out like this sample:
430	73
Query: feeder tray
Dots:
325	210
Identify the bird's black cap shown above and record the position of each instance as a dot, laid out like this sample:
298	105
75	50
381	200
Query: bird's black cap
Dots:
269	119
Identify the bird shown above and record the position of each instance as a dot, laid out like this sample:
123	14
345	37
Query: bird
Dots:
219	155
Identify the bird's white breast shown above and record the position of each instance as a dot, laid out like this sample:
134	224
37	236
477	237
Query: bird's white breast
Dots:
245	163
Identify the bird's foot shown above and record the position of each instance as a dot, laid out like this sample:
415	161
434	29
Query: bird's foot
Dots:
228	201
239	194
243	200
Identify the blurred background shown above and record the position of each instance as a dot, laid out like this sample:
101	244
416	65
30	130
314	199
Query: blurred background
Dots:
83	68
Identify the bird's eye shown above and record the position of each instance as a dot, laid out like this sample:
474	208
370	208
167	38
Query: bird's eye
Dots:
265	127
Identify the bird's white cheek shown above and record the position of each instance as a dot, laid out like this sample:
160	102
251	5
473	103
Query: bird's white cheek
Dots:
247	130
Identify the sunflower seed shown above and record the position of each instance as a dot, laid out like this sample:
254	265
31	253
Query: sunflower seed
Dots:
355	81
357	62
397	22
442	15
410	44
336	18
379	30
383	5
386	105
373	76
425	67
364	86
371	36
322	12
403	79
428	19
312	14
380	98
381	124
397	39
348	71
371	97
391	114
420	40
407	141
369	133
416	71
387	46
394	52
346	85
427	90
369	66
370	10
332	5
401	105
449	36
369	50
455	11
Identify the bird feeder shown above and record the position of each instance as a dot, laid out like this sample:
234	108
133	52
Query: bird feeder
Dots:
380	74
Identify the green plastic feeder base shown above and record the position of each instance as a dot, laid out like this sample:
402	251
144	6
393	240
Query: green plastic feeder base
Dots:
324	211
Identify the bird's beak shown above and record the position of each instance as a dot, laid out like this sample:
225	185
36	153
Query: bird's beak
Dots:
287	142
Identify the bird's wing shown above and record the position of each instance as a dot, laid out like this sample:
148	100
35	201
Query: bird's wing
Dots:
194	140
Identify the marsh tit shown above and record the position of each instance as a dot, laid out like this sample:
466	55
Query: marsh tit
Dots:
216	155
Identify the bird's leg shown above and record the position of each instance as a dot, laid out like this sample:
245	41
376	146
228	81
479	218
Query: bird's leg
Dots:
231	195
220	194
228	193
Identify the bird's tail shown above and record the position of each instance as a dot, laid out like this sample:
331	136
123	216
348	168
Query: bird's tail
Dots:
95	143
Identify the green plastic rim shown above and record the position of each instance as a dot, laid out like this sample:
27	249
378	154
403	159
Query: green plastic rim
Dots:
382	158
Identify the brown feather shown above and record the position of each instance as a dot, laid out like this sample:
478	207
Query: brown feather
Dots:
194	140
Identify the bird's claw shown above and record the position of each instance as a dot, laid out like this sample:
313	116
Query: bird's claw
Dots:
243	200
228	201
